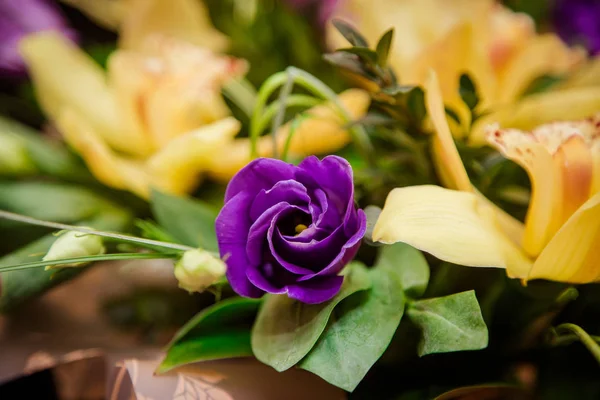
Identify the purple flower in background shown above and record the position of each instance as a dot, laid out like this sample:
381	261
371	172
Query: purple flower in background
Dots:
19	18
290	229
578	22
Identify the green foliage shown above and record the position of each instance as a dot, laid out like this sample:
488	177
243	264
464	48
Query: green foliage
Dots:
219	331
360	330
191	222
286	329
450	323
409	265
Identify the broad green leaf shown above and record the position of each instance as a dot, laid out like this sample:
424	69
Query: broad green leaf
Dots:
57	202
226	344
189	221
450	323
18	286
410	266
350	33
489	392
286	329
219	331
46	157
383	47
359	330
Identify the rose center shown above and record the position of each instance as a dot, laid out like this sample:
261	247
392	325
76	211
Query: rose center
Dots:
294	224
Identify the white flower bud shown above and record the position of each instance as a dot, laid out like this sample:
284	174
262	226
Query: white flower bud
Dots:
73	244
198	269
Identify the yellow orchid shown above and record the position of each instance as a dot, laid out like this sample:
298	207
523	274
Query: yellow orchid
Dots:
561	236
153	120
497	47
137	19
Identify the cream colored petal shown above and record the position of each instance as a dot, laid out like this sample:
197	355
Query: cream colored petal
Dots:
107	167
535	110
321	132
183	19
542	55
573	254
525	150
443	222
176	168
447	160
64	77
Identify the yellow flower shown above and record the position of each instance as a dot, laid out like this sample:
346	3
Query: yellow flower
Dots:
498	48
153	120
561	236
137	19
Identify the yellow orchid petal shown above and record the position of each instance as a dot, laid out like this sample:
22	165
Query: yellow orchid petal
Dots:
320	133
587	75
542	55
176	167
559	159
106	166
448	162
64	76
443	222
538	109
183	19
573	254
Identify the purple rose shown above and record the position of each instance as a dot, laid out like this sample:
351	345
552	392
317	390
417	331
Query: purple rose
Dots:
577	22
290	229
19	18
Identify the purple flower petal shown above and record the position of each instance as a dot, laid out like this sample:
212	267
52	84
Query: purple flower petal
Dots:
260	174
232	226
289	191
316	291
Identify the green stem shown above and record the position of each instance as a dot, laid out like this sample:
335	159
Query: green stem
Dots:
293	128
265	91
87	259
125	238
242	93
295	100
284	93
588	341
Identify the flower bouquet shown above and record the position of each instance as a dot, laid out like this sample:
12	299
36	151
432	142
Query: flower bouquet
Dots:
414	214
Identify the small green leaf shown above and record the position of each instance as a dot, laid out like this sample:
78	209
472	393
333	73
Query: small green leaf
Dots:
189	221
350	33
364	53
359	331
396	90
383	47
286	329
347	61
219	331
450	323
416	104
468	91
452	114
410	266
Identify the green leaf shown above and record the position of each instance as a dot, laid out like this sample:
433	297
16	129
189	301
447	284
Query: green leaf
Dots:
286	329
360	330
219	331
416	104
189	221
468	91
364	53
350	33
57	202
410	266
47	157
349	62
383	47
450	323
